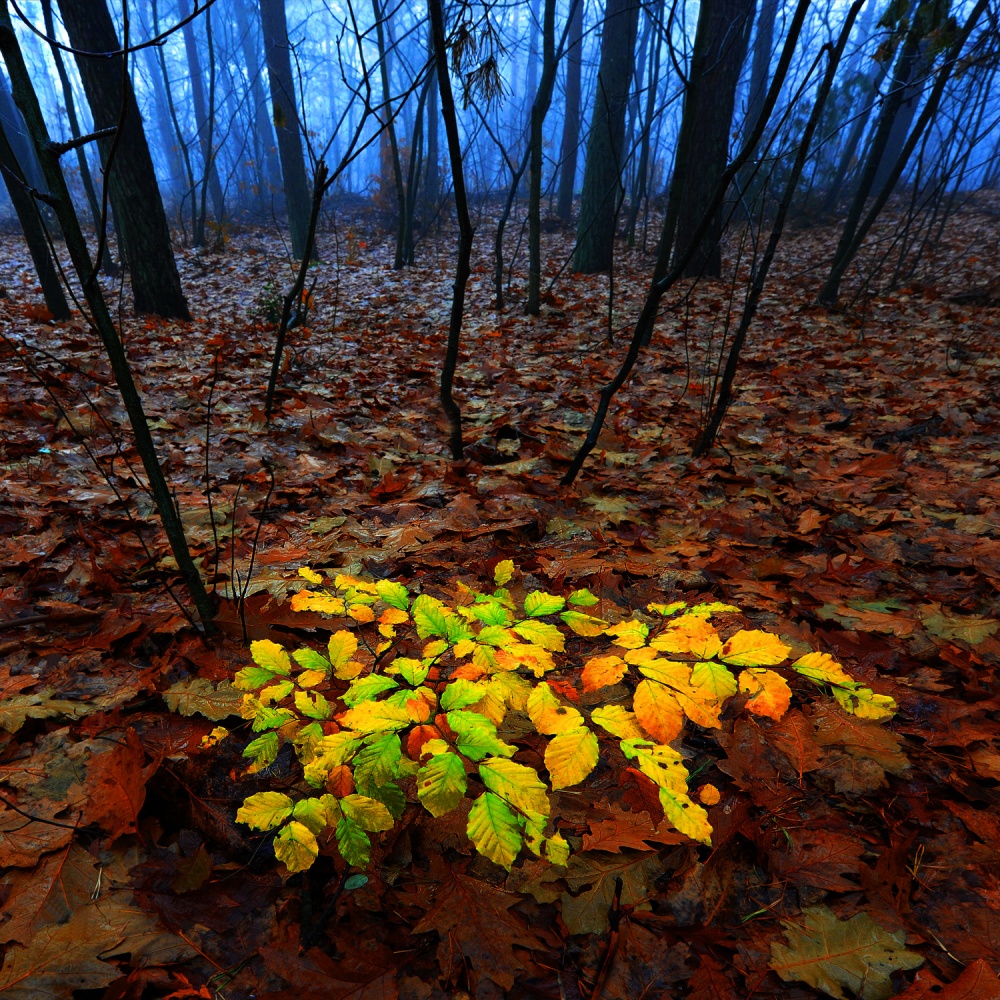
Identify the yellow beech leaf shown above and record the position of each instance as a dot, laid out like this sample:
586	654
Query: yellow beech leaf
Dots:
822	668
271	656
689	635
375	717
522	654
310	678
709	795
603	671
463	648
643	654
686	816
618	721
571	756
754	648
306	600
657	711
513	688
296	846
585	625
264	810
629	635
712	682
503	572
310	574
342	646
548	714
361	613
769	694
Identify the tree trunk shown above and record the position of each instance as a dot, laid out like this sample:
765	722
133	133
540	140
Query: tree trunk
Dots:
462	265
652	91
856	228
539	109
432	186
571	121
390	130
602	177
286	121
203	114
753	177
265	143
703	143
27	101
128	167
31	222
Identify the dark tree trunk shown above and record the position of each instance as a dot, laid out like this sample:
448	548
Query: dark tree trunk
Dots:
653	86
389	127
286	121
602	177
462	265
720	46
539	109
31	224
432	186
571	122
27	101
128	167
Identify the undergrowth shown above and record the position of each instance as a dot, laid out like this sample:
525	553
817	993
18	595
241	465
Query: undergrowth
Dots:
419	694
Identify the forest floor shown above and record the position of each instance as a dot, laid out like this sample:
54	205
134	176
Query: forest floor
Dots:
853	506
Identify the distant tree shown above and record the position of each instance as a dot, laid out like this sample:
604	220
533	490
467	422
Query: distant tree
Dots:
266	161
128	167
204	116
277	53
861	216
602	176
389	132
571	120
720	46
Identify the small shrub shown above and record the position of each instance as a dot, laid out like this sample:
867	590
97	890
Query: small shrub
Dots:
374	728
268	304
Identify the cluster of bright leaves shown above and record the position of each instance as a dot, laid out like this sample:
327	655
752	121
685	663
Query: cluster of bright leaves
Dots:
364	720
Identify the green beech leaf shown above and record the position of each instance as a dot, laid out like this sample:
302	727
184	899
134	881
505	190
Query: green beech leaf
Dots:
494	829
517	784
378	762
368	813
367	689
538	603
394	594
441	783
461	693
353	843
429	616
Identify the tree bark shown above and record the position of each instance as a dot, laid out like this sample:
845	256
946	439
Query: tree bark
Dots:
462	265
703	143
286	121
571	121
31	223
128	167
602	178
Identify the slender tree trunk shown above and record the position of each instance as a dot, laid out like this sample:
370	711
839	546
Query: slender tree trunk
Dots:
723	392
571	121
752	177
390	128
27	101
265	144
286	121
653	87
539	109
856	228
432	186
128	167
33	227
203	116
462	266
646	320
703	143
602	177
